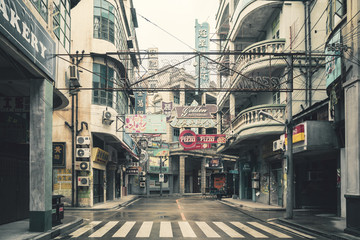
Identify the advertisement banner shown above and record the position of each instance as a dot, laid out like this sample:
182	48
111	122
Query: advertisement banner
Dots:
145	123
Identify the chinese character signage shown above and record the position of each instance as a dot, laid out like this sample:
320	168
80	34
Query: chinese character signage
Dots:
100	156
202	45
140	102
149	123
14	104
59	155
154	164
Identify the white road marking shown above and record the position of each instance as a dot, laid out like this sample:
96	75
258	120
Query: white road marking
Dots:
186	230
207	230
228	230
124	230
145	230
249	230
166	230
84	229
104	229
269	230
292	230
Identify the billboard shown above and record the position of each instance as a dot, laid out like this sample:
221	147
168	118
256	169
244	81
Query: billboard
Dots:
145	123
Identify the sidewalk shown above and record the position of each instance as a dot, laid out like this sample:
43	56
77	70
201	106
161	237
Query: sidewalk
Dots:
20	229
325	224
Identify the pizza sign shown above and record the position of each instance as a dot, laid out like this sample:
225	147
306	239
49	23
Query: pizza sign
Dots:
187	139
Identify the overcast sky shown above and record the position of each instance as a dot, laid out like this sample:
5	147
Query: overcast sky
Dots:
177	17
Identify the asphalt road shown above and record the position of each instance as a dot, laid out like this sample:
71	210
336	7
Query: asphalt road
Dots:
176	218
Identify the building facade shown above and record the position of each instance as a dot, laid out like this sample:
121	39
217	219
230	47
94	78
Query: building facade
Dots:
253	110
31	36
98	151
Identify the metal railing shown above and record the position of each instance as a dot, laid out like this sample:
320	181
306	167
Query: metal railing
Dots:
253	117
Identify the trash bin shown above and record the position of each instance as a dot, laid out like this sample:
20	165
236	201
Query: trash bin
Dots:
57	209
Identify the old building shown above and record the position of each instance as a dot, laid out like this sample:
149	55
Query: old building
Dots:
102	68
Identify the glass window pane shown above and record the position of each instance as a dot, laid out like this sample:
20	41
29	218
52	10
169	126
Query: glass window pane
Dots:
97	3
97	11
96	68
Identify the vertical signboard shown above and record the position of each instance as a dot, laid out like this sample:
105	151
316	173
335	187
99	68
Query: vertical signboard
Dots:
140	102
333	63
202	45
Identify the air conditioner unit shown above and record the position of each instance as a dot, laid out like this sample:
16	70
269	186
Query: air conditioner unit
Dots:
83	181
278	145
142	179
82	166
83	140
107	118
142	173
142	184
74	74
83	152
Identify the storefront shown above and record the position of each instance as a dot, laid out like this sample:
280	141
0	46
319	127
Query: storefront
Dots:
27	101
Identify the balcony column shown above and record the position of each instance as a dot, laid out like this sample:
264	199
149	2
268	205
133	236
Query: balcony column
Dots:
41	109
182	174
232	107
182	93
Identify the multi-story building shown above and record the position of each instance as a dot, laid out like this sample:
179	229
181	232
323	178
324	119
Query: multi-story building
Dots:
175	87
32	34
254	37
342	83
103	66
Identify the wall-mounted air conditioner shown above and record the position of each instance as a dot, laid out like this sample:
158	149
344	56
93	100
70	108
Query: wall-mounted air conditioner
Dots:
107	118
278	145
82	166
83	152
83	181
83	140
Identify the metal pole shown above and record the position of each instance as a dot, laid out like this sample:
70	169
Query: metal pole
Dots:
289	151
73	150
159	176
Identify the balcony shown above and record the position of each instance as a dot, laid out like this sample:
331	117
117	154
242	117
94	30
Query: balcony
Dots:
248	63
250	124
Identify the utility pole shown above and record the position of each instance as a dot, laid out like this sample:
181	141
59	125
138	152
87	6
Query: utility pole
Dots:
289	151
160	175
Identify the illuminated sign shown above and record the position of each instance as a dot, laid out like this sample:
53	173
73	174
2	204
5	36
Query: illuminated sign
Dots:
202	111
187	139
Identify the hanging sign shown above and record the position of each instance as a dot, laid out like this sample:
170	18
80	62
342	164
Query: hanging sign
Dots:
187	139
198	147
202	111
211	138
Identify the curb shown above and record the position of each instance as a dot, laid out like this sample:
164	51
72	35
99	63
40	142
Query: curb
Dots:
58	230
254	208
123	204
314	231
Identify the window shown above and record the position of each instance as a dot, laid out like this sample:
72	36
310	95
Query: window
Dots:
176	97
61	22
276	97
107	24
105	79
336	11
42	7
176	134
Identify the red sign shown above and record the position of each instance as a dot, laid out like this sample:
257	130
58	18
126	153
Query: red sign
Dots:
198	147
211	138
187	139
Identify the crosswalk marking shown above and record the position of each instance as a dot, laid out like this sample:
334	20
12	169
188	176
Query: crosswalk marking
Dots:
269	230
145	230
84	229
233	229
166	230
207	230
248	230
228	230
294	231
124	230
186	230
103	230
